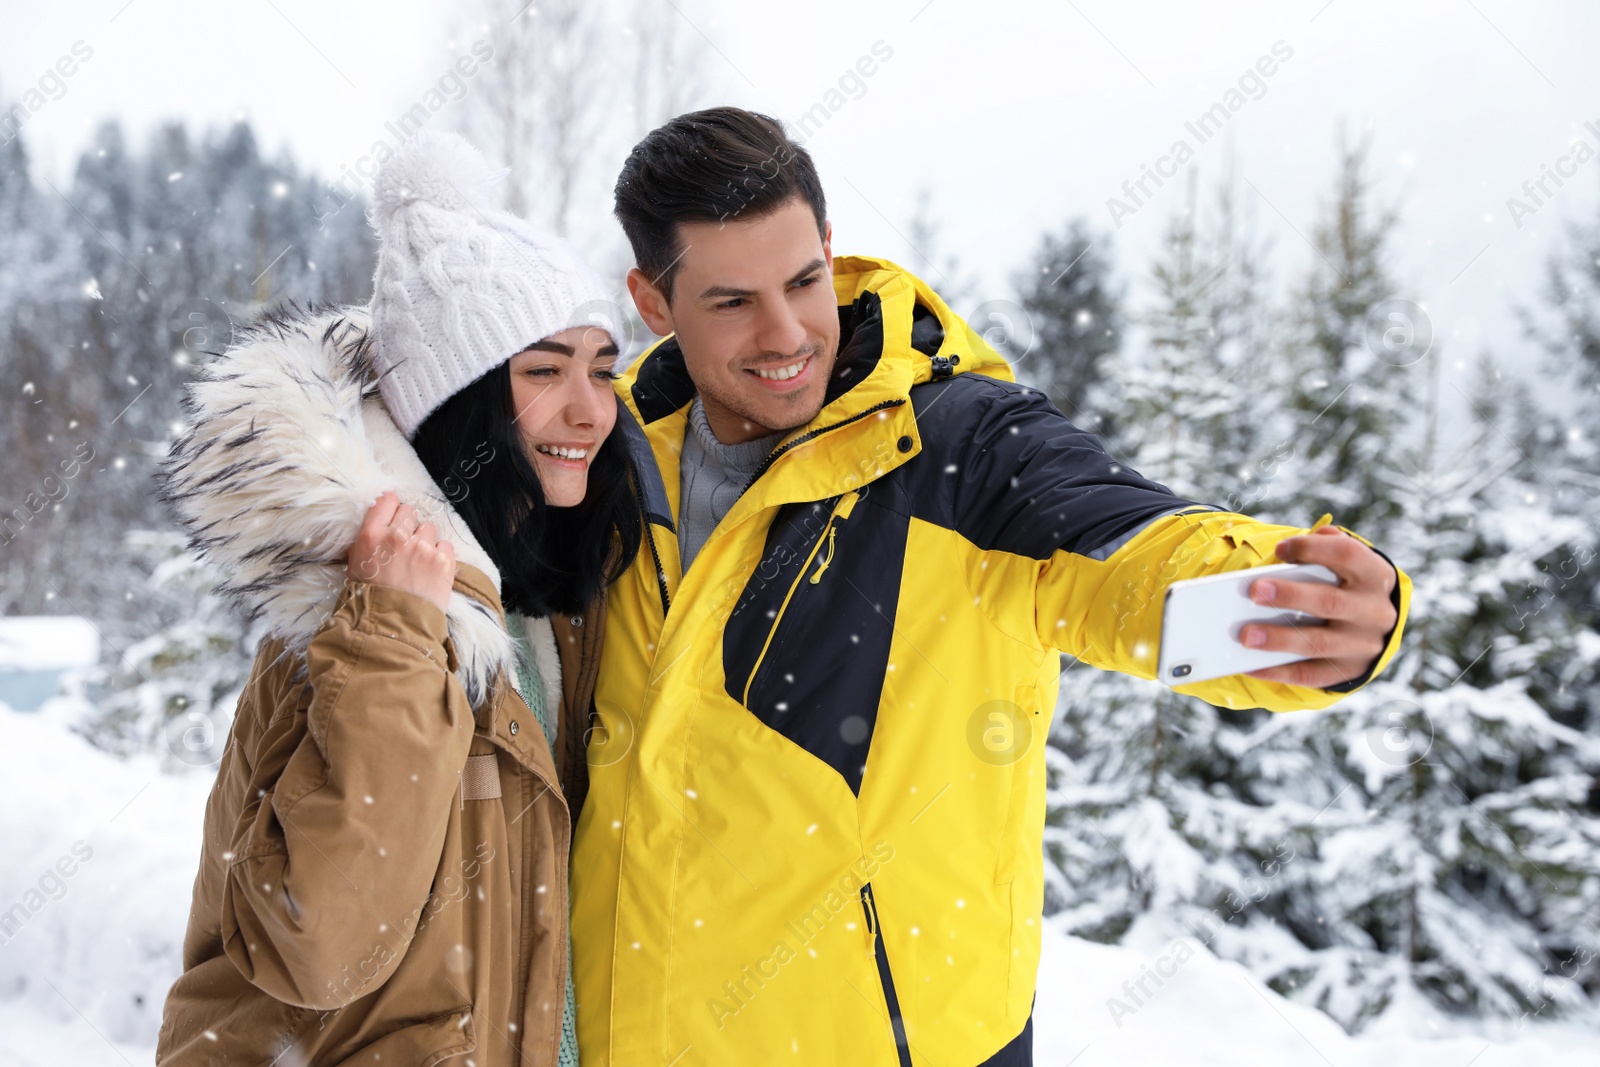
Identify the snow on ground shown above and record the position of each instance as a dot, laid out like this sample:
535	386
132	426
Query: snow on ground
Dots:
1210	1011
100	857
41	642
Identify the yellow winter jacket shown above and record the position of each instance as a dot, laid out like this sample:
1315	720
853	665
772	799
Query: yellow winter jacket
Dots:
817	788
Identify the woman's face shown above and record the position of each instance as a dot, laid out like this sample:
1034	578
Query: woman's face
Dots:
564	406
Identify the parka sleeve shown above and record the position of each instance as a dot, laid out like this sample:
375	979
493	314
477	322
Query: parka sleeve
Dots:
1108	542
1108	612
340	838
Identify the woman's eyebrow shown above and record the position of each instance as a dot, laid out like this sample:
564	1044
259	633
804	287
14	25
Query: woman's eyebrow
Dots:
610	351
547	345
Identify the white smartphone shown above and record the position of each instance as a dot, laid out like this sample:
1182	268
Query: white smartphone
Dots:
1201	619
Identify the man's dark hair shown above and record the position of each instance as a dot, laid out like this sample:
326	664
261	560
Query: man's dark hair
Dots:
708	166
550	559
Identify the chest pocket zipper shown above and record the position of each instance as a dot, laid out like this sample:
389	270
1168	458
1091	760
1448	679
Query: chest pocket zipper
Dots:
847	504
841	511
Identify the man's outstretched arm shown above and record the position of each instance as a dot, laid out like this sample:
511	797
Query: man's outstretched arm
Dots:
1108	542
1112	607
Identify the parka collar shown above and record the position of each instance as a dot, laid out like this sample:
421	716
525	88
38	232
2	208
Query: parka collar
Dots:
288	445
896	333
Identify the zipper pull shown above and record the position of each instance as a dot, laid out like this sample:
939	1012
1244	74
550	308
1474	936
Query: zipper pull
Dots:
817	577
841	511
871	913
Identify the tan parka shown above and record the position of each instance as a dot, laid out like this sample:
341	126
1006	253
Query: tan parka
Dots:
383	877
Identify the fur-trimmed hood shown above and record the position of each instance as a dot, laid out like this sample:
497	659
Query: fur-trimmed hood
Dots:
289	444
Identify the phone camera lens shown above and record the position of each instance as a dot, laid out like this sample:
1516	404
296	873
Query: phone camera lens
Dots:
1181	670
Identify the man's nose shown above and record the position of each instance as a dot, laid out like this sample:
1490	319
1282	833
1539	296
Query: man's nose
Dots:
780	328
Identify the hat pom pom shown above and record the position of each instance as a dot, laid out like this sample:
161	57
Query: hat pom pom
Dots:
440	169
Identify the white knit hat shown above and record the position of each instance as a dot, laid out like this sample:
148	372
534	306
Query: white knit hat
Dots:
461	287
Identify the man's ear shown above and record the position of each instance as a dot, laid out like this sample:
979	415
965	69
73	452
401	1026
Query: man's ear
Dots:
653	306
827	243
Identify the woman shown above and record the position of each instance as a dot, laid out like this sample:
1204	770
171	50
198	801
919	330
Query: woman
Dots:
384	871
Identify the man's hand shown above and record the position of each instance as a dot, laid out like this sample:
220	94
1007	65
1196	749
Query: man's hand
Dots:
1359	612
394	548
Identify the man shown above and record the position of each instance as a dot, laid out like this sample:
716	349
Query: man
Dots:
817	787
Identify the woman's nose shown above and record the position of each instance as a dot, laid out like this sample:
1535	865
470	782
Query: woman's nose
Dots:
583	402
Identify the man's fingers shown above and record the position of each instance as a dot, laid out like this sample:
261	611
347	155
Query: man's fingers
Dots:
1320	599
1354	562
1331	549
1315	673
1314	641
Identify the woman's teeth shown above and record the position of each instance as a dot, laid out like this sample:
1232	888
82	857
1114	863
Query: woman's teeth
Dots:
783	374
562	453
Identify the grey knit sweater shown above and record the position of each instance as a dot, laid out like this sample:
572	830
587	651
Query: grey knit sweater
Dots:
713	476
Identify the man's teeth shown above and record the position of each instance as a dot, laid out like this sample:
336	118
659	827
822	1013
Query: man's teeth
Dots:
783	374
562	453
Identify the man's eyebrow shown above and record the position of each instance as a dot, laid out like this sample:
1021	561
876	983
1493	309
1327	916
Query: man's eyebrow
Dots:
809	268
726	291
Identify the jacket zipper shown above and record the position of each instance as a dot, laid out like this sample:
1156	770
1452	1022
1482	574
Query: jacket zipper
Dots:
661	572
841	510
890	1000
811	435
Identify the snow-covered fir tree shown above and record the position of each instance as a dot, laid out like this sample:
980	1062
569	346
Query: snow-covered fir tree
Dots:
1074	322
1426	845
106	308
1567	327
1349	372
1187	401
174	691
1145	819
1453	863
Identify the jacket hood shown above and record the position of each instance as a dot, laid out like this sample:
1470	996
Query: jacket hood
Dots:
919	328
289	444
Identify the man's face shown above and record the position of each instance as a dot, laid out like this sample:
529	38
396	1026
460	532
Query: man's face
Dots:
754	311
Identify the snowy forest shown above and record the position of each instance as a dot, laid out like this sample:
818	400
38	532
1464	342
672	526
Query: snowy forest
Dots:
1428	848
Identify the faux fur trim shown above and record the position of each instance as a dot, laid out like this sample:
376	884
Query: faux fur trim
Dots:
289	445
547	658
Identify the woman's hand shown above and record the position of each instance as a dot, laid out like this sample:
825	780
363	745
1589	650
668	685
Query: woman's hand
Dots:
394	548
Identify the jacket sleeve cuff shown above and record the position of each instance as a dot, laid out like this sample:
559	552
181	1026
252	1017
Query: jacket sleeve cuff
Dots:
389	612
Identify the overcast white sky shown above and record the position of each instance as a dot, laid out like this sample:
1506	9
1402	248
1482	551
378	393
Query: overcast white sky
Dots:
1014	115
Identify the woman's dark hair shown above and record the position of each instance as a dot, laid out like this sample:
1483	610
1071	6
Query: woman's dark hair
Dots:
550	559
708	166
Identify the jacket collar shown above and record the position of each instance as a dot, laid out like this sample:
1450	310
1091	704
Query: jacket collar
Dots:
288	446
896	333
